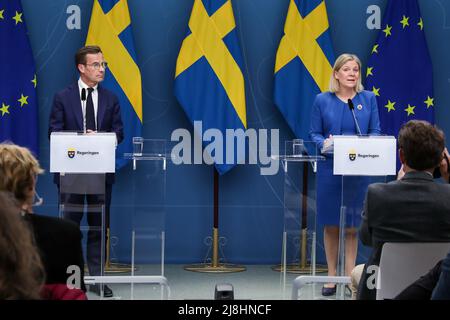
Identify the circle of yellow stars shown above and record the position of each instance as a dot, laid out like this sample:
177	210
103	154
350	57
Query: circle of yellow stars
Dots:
23	100
390	106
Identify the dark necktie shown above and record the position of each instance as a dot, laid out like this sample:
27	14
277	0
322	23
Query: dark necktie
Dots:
90	114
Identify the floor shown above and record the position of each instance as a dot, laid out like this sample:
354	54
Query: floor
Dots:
257	282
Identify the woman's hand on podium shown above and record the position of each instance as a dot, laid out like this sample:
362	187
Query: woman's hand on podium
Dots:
328	141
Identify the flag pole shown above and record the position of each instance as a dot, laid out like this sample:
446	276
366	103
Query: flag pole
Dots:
215	266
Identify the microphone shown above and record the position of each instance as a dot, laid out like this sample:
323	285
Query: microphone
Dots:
83	104
352	109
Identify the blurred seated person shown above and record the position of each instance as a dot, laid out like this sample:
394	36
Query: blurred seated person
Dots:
421	289
434	285
58	240
442	289
21	271
412	209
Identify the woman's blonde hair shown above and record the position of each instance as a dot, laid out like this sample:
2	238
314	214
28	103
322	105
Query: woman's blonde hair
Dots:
340	61
18	169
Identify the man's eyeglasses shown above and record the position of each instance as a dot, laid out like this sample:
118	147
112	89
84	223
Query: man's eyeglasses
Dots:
97	65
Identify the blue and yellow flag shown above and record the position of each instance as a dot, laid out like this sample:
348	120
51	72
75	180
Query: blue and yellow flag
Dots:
19	109
209	83
399	70
304	63
110	28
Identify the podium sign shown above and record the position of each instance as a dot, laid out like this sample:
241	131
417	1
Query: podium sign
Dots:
365	155
71	152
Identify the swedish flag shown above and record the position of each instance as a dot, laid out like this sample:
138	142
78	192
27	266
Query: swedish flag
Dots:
110	28
304	62
19	109
399	70
209	83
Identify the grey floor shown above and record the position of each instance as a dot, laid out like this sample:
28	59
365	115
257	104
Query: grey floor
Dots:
258	282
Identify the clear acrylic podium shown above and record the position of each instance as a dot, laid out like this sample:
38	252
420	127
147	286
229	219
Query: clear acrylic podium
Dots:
82	162
299	233
148	216
360	161
82	200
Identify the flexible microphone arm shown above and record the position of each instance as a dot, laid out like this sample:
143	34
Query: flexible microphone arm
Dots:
83	104
352	109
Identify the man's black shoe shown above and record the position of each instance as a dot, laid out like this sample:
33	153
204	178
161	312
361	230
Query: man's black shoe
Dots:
107	292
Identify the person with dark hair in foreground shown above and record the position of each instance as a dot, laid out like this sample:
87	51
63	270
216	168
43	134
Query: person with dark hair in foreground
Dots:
412	209
436	283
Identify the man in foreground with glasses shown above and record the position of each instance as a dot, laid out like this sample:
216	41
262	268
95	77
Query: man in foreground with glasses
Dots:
87	107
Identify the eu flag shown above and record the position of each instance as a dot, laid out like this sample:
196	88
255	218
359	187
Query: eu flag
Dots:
19	109
209	83
399	70
304	62
110	28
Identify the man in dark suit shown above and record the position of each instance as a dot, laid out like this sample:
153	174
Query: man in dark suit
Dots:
99	113
414	208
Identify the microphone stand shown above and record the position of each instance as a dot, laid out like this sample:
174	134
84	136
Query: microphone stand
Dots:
352	109
83	108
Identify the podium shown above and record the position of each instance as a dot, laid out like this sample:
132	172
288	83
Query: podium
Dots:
149	164
299	165
148	219
360	160
82	162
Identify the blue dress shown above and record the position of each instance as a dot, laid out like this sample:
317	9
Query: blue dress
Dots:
330	115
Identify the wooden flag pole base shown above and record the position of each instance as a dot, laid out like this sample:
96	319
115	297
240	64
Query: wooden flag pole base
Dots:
215	266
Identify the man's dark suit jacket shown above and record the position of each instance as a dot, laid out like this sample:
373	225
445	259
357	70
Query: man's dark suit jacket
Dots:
413	209
67	115
59	244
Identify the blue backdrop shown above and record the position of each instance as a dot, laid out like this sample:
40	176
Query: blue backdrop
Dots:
251	214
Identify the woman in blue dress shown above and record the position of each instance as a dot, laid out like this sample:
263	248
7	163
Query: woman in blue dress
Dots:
331	115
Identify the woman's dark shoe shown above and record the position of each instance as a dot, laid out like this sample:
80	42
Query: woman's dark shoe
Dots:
328	291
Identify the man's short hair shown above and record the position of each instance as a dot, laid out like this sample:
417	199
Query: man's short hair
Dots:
80	56
422	144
